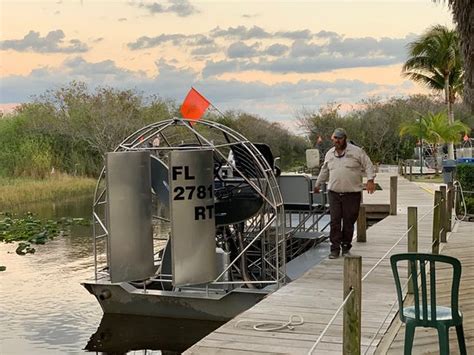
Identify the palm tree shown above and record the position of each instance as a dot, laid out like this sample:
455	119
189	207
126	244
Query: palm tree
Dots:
463	13
435	61
435	129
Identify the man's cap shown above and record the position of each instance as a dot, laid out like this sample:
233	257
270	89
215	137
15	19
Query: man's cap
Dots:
340	133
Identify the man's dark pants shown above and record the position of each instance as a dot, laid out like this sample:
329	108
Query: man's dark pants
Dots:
343	207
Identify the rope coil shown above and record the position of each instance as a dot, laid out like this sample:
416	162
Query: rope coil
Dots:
274	326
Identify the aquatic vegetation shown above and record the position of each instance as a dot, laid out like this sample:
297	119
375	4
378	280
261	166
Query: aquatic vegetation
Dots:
29	230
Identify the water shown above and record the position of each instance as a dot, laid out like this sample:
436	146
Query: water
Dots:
45	310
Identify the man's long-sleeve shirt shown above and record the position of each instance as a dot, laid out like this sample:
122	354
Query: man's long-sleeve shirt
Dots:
344	173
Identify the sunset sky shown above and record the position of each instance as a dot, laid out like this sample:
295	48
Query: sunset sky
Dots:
271	58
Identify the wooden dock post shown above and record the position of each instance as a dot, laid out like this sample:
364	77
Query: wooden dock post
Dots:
443	214
449	204
362	225
411	170
393	195
436	222
353	308
412	239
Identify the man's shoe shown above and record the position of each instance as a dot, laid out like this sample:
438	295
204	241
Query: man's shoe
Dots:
334	255
346	253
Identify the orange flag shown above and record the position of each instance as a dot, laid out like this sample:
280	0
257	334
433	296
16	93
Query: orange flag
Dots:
194	105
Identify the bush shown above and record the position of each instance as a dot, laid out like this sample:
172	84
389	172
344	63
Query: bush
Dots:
465	176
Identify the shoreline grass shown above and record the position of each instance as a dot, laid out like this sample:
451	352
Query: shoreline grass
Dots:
430	178
19	191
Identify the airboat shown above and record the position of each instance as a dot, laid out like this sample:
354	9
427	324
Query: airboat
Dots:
192	220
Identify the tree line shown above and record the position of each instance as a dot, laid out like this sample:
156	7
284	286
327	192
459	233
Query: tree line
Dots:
70	129
377	124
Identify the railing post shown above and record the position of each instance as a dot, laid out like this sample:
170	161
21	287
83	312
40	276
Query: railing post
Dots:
412	239
443	217
436	222
449	204
353	308
393	195
400	172
362	225
411	170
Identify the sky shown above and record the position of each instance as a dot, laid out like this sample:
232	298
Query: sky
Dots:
271	58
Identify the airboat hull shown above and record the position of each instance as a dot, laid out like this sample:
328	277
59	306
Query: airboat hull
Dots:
123	298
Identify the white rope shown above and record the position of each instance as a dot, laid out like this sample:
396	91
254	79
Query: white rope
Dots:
463	202
385	255
427	213
274	326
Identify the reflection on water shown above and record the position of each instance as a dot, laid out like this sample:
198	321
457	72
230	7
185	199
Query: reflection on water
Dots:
43	307
119	334
45	310
78	207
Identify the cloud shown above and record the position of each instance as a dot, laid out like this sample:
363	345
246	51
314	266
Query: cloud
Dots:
306	56
276	50
241	50
241	32
294	65
303	34
205	50
274	101
328	34
305	50
393	47
182	8
150	42
255	32
176	39
53	42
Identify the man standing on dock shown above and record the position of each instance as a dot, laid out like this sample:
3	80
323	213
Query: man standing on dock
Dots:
343	168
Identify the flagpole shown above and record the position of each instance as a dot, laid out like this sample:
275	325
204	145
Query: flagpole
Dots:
216	109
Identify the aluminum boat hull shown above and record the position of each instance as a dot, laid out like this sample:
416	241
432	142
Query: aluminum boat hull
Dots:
123	298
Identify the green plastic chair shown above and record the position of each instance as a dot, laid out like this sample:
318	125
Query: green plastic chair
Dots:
426	312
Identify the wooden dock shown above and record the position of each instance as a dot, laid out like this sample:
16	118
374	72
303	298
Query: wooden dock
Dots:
317	295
